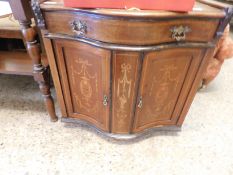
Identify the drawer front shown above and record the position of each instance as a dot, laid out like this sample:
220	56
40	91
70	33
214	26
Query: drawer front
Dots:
131	31
85	78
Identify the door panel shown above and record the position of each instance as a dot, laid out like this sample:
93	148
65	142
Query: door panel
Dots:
126	66
165	81
85	77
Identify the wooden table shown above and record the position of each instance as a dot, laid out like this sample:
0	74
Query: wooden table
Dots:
27	61
126	72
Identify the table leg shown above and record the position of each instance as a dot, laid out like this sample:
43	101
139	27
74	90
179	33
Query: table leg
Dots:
40	73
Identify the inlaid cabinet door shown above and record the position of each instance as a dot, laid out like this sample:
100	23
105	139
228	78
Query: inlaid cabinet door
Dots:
166	79
85	78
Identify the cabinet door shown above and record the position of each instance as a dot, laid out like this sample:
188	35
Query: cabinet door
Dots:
165	82
85	76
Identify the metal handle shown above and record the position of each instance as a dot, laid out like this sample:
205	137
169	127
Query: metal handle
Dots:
140	102
105	101
179	32
79	27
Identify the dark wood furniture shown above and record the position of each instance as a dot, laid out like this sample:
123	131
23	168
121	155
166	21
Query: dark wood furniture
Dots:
128	71
28	61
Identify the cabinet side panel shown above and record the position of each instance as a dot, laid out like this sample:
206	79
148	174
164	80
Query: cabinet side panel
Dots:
126	67
196	83
54	70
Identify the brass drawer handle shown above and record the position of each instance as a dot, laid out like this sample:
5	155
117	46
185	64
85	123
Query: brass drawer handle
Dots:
105	101
179	32
140	102
79	27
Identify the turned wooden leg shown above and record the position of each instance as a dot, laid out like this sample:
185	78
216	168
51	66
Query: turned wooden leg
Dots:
40	73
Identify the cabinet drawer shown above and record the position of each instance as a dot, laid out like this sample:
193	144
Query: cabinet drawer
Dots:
134	31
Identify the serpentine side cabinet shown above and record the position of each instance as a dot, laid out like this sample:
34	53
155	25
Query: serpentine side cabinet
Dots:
125	72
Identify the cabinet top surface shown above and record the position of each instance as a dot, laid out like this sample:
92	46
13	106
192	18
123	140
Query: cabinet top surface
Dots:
203	8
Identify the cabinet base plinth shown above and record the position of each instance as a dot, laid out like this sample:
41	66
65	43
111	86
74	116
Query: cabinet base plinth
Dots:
131	136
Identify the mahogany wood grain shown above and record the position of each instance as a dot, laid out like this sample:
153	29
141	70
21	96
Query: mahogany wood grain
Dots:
123	31
56	80
8	33
40	73
162	85
85	78
195	86
15	63
126	67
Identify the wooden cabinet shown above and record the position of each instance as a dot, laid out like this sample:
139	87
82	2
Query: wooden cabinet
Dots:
125	72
